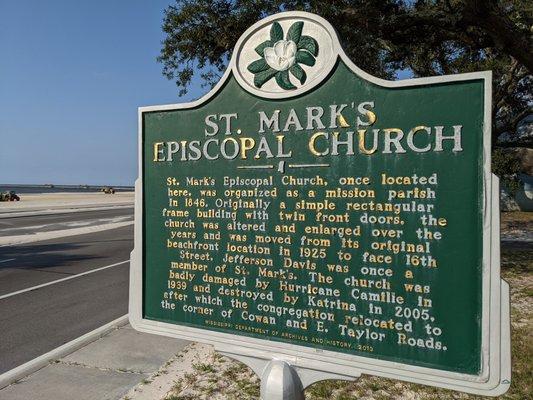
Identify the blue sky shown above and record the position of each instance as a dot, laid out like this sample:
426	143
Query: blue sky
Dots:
72	74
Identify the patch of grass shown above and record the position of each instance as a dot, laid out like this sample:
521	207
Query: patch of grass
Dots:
248	388
206	368
522	356
178	386
516	217
234	370
324	389
516	260
189	378
528	292
180	397
230	374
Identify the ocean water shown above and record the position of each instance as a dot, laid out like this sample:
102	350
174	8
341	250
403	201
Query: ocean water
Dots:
58	188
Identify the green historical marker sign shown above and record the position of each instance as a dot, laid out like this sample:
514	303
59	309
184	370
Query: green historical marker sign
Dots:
308	210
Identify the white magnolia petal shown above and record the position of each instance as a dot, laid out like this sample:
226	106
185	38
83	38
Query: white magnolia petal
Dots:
283	64
290	51
270	57
279	48
282	55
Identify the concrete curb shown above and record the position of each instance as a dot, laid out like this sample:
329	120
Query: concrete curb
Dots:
39	237
62	210
36	364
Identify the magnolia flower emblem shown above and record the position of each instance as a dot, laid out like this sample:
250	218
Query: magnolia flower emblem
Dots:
280	56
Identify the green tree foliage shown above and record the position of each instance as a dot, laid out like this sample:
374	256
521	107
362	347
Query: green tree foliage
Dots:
507	167
381	36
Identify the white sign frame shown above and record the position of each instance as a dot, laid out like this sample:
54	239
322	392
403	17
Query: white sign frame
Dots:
495	376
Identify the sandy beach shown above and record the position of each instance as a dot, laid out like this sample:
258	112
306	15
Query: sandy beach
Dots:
59	201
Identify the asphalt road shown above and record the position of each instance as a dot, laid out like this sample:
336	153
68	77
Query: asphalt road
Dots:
11	226
35	322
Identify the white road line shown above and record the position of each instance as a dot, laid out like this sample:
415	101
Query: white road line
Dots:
9	259
61	280
18	228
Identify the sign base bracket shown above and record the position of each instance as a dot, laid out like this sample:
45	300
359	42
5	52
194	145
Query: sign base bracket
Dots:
280	379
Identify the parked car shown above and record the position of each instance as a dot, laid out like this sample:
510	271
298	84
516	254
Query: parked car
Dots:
108	190
9	196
